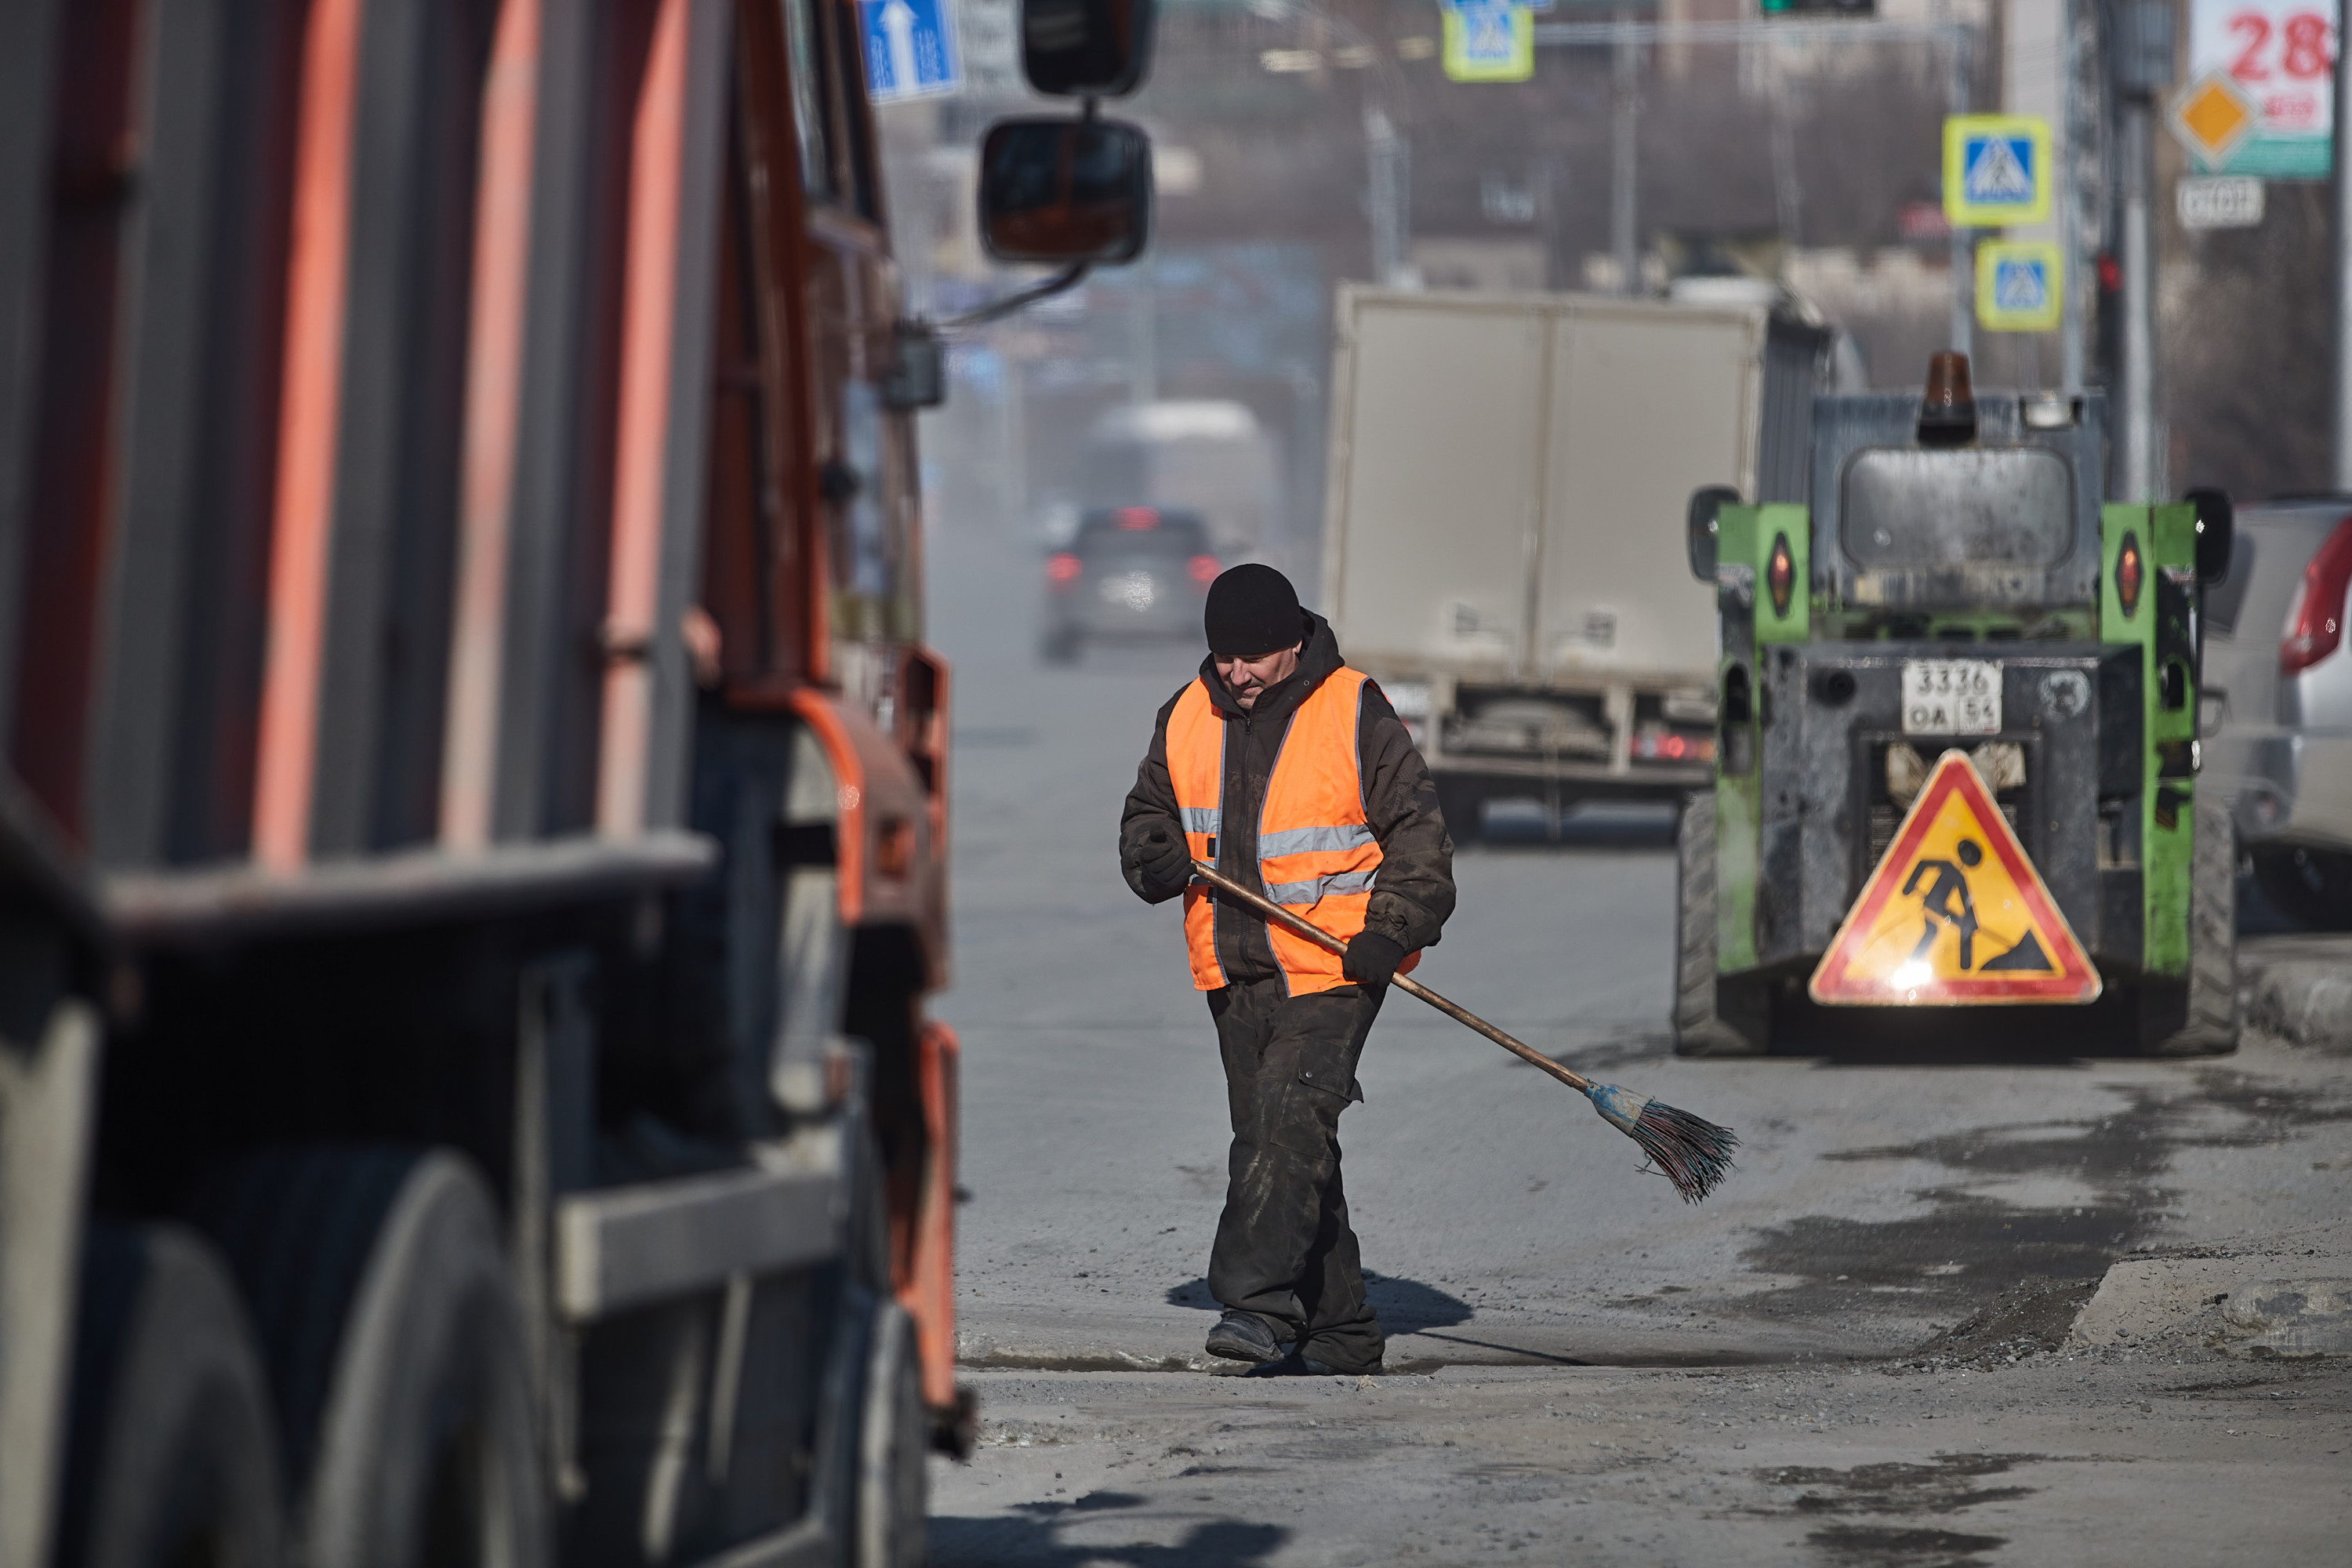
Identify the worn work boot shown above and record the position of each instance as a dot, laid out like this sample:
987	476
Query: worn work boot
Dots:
1243	1336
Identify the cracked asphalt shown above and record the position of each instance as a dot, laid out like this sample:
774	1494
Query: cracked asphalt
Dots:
1580	1368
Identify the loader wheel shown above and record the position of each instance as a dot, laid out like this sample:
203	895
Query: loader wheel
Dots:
2211	1026
396	1352
171	1457
892	1448
1704	1026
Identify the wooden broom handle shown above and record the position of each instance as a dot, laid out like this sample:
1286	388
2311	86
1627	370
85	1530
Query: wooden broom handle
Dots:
1405	983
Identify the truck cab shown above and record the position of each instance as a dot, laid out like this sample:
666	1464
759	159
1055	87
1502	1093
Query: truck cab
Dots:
1957	582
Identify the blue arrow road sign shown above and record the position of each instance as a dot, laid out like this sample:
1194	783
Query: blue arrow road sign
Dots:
910	50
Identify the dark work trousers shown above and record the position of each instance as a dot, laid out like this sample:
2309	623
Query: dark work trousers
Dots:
1284	1250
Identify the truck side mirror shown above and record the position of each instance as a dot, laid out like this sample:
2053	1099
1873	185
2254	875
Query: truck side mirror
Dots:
1075	192
1085	48
1704	503
2217	528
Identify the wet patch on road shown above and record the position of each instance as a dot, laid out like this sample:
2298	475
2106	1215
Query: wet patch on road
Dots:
1976	1239
1945	1485
1867	1546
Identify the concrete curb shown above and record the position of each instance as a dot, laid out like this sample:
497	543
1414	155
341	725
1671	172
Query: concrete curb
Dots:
2298	989
2284	1295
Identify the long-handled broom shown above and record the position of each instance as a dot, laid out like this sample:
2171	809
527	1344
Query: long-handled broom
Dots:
1696	1156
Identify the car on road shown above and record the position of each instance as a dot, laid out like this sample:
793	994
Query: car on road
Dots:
2278	717
1132	573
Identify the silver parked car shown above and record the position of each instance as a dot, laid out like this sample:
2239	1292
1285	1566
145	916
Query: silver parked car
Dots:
2278	694
1133	572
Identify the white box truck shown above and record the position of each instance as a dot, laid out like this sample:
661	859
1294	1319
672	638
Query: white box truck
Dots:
1504	542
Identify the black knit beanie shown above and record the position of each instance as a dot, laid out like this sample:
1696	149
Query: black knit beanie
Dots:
1251	610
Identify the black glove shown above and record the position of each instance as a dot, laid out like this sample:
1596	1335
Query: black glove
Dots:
1162	859
1371	959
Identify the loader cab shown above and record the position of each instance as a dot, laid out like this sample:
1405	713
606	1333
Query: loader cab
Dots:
1917	535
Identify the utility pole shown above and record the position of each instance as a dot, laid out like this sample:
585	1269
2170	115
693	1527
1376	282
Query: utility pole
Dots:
1623	165
2340	178
2143	68
2070	208
1386	154
1963	251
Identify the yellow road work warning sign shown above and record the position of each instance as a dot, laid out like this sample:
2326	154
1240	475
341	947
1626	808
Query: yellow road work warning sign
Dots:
1954	913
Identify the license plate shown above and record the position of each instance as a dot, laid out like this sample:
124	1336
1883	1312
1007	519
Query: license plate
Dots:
1951	696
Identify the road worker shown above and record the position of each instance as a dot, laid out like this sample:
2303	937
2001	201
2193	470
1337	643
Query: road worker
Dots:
1287	769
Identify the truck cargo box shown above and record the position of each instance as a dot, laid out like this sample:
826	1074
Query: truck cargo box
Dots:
1503	540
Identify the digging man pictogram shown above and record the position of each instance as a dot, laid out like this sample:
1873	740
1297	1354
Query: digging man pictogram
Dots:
1937	903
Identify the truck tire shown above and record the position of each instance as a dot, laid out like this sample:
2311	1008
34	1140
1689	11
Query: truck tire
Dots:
171	1455
1702	1028
2212	1023
397	1352
892	1448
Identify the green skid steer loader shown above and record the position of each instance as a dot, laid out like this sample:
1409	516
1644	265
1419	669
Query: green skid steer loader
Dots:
1956	600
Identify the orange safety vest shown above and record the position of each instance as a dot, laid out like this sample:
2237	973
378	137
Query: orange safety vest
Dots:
1316	853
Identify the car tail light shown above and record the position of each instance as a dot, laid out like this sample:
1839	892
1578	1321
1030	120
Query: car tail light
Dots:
1137	519
2315	620
1061	569
1673	746
1204	569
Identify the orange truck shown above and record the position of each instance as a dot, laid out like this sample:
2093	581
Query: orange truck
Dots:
473	828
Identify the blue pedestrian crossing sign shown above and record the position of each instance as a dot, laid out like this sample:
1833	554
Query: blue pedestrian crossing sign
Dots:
2019	286
1487	40
911	50
1996	170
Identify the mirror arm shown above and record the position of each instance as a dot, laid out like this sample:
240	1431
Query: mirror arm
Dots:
1066	279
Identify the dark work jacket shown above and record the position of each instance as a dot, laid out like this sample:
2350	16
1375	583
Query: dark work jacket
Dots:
1415	892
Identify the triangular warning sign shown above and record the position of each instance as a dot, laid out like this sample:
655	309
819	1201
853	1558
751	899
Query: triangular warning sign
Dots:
1954	913
1997	173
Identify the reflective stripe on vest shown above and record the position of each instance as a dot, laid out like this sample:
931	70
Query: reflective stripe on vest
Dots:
1316	852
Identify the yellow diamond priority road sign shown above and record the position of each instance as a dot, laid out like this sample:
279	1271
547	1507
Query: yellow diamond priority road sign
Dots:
1953	913
2212	115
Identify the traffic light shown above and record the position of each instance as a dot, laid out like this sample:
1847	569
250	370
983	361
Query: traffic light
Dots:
1821	7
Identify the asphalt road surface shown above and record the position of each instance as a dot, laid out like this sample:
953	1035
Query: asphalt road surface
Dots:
1580	1367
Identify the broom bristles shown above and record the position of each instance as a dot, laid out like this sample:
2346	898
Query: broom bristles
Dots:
1694	1153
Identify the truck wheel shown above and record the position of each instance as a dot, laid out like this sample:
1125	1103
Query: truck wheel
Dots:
170	1455
893	1449
397	1352
1703	1027
2211	1026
